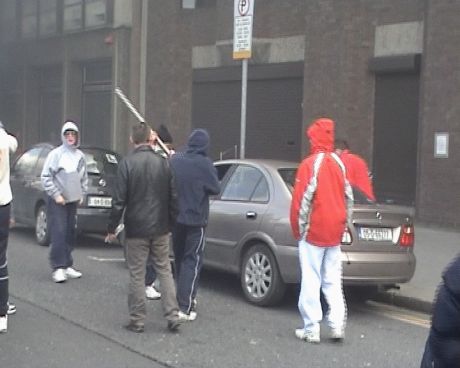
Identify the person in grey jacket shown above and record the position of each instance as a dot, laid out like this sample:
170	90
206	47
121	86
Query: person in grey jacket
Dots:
65	180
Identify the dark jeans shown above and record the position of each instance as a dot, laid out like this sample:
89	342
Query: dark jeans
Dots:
188	244
4	231
427	360
61	226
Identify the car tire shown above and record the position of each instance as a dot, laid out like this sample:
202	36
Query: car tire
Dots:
41	228
260	277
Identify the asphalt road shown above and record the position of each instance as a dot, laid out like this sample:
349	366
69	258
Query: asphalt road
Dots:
79	323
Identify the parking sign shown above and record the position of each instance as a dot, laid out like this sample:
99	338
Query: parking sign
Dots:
242	28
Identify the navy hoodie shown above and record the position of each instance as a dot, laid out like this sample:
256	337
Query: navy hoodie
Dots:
196	179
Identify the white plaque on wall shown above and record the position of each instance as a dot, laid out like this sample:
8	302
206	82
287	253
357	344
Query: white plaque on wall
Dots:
441	145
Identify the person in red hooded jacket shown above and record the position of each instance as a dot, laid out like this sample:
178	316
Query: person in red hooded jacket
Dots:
357	171
320	209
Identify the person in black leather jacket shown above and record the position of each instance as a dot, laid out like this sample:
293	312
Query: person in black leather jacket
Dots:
145	192
442	348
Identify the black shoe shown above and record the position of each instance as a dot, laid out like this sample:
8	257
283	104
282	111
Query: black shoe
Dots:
173	325
134	328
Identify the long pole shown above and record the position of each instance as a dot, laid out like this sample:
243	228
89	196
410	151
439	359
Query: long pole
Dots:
244	87
138	116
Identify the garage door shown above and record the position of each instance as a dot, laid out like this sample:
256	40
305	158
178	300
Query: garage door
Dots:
274	114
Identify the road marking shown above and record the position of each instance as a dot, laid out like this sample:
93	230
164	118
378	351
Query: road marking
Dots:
401	314
100	259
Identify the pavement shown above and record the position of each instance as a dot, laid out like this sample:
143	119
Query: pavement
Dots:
434	249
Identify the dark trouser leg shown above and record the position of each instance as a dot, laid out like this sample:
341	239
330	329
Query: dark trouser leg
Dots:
159	256
4	231
137	251
150	275
190	267
179	235
61	224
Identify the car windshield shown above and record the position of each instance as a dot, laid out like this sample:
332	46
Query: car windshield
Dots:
98	162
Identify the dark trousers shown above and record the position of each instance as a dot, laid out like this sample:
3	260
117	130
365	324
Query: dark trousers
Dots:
61	226
4	231
188	245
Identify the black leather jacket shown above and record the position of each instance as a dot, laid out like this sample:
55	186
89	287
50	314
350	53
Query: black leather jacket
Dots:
146	192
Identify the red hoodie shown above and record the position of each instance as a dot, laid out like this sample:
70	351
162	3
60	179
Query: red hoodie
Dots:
322	197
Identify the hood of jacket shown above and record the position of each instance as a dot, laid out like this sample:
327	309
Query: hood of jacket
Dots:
321	135
70	125
198	142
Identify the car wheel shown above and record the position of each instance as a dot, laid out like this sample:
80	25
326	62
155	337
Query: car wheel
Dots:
260	278
41	229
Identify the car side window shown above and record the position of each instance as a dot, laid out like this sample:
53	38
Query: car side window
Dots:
261	192
41	161
242	183
25	165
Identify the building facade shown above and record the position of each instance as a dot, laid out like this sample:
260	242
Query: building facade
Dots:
388	71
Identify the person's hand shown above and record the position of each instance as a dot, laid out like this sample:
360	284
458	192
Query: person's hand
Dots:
80	202
110	238
60	200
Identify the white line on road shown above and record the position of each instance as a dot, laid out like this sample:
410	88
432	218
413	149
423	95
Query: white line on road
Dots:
100	259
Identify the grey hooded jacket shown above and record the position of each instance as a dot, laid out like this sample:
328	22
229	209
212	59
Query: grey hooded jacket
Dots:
64	172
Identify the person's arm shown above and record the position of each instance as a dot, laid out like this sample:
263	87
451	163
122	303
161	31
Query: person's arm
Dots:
12	143
212	185
119	197
47	177
173	199
300	186
83	171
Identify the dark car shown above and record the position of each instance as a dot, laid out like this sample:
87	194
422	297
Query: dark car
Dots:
249	233
29	198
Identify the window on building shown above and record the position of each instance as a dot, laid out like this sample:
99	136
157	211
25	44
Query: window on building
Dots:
29	18
95	13
8	21
48	17
73	15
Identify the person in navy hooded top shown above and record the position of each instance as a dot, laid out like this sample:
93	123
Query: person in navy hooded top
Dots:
196	179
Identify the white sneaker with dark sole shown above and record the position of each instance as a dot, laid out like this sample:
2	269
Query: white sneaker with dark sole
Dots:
59	275
152	293
187	317
337	334
308	336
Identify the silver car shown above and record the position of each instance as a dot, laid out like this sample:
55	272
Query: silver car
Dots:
249	233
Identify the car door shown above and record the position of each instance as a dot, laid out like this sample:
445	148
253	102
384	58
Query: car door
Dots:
23	185
235	214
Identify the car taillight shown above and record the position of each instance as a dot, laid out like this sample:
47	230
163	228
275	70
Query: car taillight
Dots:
346	237
407	236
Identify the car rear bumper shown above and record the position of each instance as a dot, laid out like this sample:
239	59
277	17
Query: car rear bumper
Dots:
378	268
92	220
359	268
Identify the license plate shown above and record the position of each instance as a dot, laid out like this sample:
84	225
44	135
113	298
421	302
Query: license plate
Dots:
375	234
104	202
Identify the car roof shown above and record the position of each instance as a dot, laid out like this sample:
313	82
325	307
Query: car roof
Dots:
82	147
268	163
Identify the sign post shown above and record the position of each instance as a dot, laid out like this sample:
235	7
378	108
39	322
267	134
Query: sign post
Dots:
242	44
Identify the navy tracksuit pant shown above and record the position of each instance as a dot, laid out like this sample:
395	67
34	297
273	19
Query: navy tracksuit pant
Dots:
4	231
188	245
61	227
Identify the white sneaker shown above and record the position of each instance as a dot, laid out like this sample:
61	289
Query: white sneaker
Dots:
59	275
152	293
187	317
308	336
11	309
72	273
337	334
3	324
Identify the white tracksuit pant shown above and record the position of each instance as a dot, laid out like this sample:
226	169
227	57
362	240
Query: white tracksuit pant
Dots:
321	269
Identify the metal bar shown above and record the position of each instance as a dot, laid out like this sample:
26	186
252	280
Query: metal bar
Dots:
139	117
244	84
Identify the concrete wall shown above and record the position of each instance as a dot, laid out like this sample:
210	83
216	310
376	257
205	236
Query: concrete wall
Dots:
439	180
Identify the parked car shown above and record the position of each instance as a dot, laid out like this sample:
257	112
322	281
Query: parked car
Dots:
249	233
29	198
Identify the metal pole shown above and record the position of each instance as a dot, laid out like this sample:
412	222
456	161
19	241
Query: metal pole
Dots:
139	117
244	86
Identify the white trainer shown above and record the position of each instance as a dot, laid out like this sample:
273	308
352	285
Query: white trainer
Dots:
187	317
152	293
3	323
72	273
59	275
308	336
11	309
337	334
